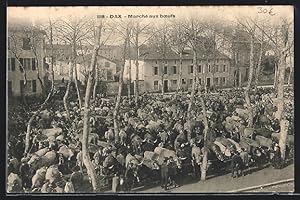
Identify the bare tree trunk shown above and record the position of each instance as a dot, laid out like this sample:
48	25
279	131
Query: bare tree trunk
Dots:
193	88
136	82
276	77
96	83
240	77
66	96
291	69
129	73
284	126
162	82
28	130
75	68
258	70
280	87
204	162
290	75
86	118
118	101
248	87
214	63
179	88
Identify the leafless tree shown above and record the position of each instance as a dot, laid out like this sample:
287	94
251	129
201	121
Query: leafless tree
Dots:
73	31
250	28
194	30
178	41
34	37
49	34
86	118
282	42
161	43
16	50
138	37
123	30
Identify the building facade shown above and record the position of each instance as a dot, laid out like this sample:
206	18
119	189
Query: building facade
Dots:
105	68
62	62
22	57
211	71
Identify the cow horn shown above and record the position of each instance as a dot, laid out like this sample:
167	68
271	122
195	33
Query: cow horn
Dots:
111	167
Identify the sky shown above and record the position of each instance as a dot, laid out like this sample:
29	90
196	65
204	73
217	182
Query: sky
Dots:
271	13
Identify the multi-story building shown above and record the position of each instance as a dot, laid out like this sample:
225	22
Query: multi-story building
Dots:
20	53
62	62
105	68
236	45
152	68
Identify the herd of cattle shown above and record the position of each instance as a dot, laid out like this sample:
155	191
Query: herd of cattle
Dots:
158	129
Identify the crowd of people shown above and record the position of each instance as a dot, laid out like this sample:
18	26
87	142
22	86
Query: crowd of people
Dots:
157	140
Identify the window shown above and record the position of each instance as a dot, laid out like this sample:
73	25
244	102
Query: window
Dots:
208	68
165	70
27	63
11	64
33	86
217	68
183	81
107	64
216	81
191	81
166	62
174	70
174	61
9	88
8	64
174	82
33	64
8	43
156	62
191	69
155	70
26	43
217	60
224	68
22	86
222	81
192	61
155	83
199	69
109	75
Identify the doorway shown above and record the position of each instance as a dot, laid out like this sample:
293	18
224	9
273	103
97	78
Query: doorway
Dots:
208	82
165	85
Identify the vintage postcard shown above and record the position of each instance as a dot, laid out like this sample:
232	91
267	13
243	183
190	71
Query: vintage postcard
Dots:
148	99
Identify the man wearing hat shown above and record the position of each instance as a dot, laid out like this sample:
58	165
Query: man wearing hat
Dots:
24	173
164	174
277	161
236	165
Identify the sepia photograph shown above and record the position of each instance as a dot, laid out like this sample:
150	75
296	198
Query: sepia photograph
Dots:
150	99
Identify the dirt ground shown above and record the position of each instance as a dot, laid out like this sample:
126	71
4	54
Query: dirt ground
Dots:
225	183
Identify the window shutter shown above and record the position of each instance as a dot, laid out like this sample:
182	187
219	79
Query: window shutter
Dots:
33	64
34	86
22	64
13	64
